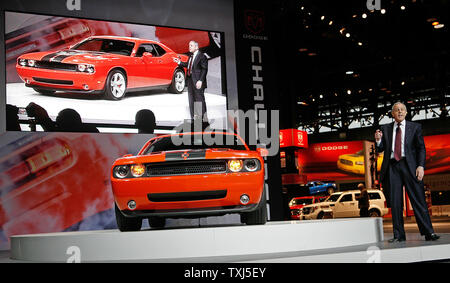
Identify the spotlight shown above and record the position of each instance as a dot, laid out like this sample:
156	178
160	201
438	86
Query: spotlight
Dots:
360	43
438	26
383	11
403	7
322	18
364	16
347	34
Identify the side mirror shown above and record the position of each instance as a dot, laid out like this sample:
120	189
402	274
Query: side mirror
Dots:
127	155
147	54
263	152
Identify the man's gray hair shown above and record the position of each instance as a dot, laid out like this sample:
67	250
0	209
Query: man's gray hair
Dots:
397	103
195	42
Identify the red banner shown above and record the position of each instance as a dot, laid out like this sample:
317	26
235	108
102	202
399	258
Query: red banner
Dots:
293	137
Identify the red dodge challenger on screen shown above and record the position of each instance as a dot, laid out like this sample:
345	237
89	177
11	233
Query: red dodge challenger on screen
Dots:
187	176
104	64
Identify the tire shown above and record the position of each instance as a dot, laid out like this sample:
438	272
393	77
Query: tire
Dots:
258	216
157	222
126	224
320	215
116	85
374	213
44	91
178	82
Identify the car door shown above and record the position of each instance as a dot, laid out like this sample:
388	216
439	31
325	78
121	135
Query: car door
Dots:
146	61
346	206
166	65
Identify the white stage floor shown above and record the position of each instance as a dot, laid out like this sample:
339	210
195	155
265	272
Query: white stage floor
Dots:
169	109
331	240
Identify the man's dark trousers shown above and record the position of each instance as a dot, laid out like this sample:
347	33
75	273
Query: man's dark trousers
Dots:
398	176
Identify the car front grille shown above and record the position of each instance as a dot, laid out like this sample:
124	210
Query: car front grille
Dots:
186	168
53	81
56	66
346	162
187	196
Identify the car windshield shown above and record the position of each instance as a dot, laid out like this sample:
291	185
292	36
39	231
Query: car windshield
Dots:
114	46
195	141
333	198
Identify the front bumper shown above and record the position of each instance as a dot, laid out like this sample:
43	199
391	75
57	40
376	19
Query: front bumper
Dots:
187	213
61	80
233	185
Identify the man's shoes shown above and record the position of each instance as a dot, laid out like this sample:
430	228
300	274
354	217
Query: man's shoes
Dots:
397	240
431	237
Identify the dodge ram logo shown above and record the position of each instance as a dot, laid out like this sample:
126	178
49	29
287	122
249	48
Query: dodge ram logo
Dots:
254	21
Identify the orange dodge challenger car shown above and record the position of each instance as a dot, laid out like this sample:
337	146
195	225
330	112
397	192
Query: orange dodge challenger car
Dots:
104	64
189	179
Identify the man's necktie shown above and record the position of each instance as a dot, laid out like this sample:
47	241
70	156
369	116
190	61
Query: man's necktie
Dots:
398	143
189	70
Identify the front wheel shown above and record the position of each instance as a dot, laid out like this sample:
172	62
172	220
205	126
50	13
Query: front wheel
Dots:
178	82
126	224
116	85
157	222
258	216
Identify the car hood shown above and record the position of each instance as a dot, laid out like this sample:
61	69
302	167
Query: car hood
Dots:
182	155
72	56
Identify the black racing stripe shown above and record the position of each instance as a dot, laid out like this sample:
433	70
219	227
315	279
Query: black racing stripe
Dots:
59	58
187	155
49	56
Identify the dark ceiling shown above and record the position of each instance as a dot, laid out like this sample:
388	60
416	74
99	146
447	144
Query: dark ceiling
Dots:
347	63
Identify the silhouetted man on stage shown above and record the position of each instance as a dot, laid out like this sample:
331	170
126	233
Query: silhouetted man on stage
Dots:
403	165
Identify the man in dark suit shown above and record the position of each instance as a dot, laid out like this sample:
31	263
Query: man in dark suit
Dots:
403	165
196	70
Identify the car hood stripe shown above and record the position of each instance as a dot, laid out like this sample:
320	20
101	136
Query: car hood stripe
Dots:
186	155
61	55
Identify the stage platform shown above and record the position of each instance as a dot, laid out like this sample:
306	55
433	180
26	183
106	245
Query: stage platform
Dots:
330	240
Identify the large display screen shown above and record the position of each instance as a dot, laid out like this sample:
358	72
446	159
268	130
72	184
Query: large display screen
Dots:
105	72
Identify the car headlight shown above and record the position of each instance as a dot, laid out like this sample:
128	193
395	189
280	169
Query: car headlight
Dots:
90	69
81	67
137	170
22	62
251	165
121	171
235	165
31	63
